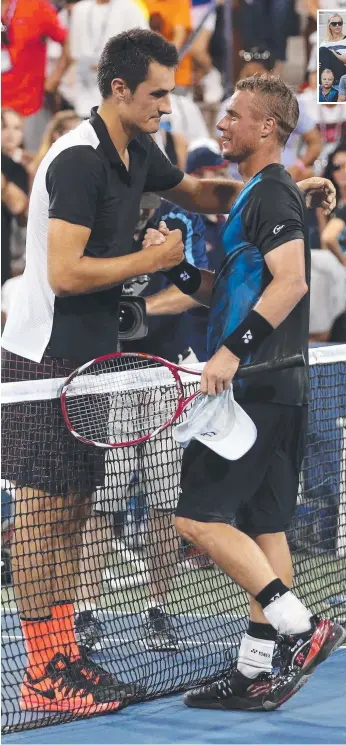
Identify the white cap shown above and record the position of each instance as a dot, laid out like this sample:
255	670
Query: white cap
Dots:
220	423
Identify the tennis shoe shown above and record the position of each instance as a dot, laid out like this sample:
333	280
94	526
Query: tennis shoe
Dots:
64	687
160	633
126	692
89	631
231	691
300	655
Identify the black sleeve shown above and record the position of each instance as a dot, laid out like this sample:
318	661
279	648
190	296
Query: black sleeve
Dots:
14	173
273	215
340	212
162	174
75	181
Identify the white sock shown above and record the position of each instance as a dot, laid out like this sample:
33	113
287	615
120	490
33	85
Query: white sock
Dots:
288	615
255	656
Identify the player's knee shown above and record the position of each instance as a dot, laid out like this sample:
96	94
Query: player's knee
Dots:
190	530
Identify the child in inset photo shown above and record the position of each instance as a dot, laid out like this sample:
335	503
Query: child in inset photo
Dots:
342	89
327	92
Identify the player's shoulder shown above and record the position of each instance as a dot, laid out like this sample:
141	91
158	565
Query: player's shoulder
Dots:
275	181
79	148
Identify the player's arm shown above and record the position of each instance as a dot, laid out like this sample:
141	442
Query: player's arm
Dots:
213	196
75	180
330	235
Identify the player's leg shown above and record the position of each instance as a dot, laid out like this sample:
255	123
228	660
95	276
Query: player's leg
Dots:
238	554
159	468
96	545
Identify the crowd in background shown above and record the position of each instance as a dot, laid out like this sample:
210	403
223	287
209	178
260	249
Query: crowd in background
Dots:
50	53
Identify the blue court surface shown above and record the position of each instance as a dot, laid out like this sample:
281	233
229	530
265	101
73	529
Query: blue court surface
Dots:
317	714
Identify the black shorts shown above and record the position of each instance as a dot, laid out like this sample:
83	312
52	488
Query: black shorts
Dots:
37	450
259	491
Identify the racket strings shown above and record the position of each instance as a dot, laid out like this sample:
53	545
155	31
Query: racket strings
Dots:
121	399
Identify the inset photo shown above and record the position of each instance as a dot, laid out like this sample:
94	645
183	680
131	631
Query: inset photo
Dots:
331	34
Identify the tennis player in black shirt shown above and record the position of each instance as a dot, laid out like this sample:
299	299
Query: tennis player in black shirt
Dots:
259	310
83	209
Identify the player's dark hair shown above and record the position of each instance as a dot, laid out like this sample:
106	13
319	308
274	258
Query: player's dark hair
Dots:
128	56
273	98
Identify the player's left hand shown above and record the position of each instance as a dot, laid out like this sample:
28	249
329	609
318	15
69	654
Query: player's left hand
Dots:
319	192
219	372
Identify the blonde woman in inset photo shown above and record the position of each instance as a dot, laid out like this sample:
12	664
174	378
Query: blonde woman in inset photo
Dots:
332	51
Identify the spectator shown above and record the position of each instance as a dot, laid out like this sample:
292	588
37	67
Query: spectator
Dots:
92	23
14	184
327	92
332	52
61	123
266	23
186	118
334	235
65	93
172	19
336	172
342	89
173	145
204	161
207	75
26	28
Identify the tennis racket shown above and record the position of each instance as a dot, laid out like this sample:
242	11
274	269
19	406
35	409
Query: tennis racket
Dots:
124	399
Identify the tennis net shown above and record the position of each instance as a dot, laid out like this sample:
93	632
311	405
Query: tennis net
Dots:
131	561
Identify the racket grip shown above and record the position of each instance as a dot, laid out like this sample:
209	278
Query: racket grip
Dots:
282	363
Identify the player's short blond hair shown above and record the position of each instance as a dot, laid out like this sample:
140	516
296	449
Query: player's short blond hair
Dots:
274	98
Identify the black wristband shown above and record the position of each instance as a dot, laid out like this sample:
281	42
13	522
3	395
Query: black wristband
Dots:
185	276
248	336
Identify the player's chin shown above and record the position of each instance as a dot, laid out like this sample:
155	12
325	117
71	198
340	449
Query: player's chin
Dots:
152	125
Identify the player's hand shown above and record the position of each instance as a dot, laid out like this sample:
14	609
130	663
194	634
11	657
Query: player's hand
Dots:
219	372
166	254
319	192
154	237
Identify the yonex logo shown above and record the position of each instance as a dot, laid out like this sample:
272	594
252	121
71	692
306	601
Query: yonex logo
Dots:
208	434
247	337
277	229
275	597
184	276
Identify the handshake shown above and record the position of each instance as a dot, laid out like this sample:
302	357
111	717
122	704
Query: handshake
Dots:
164	247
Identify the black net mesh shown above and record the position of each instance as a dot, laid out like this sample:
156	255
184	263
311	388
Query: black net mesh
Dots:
149	609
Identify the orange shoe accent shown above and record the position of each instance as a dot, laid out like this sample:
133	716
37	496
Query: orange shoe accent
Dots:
64	615
59	689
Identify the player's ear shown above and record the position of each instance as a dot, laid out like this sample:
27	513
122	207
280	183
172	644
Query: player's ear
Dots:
268	126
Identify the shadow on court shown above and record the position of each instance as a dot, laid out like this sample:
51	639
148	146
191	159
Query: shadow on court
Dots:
316	715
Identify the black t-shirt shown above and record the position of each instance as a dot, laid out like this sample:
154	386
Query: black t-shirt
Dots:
15	174
88	184
340	212
269	212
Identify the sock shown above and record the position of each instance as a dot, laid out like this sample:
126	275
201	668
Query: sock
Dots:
43	641
270	592
262	631
63	614
256	652
288	615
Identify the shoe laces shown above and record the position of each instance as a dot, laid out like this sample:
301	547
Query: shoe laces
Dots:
64	673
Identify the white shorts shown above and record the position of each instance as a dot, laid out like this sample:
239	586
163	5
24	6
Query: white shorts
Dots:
151	469
197	14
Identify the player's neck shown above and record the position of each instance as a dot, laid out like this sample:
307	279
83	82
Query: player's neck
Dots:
325	90
256	162
119	134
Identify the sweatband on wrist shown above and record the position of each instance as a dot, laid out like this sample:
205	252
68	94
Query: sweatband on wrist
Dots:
185	276
248	336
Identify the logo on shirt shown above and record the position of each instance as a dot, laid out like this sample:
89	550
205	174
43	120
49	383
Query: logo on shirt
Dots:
277	229
247	337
